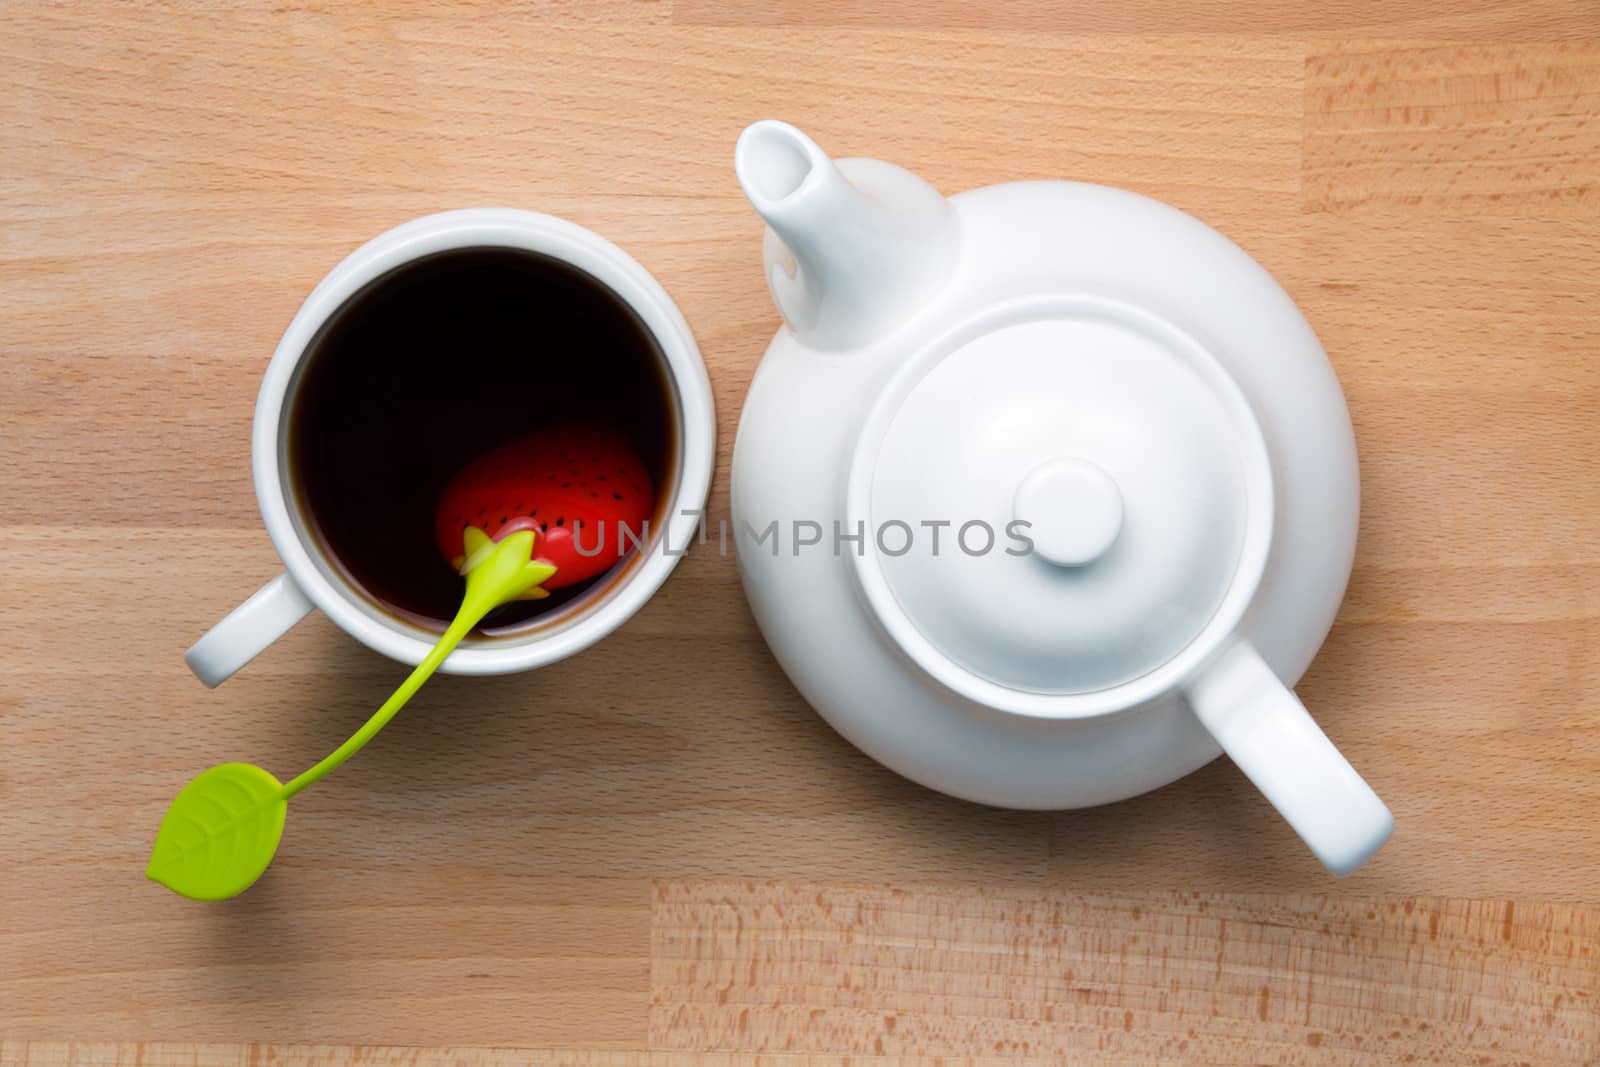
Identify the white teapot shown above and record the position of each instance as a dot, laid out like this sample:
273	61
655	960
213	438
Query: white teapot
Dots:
1043	492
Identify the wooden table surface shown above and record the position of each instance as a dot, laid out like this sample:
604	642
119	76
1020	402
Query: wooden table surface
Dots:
561	868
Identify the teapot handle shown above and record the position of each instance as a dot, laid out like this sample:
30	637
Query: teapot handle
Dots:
1265	729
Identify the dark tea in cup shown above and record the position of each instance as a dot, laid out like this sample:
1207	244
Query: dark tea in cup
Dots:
436	363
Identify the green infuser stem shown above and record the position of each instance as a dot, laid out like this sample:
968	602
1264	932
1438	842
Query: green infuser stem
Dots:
498	573
458	629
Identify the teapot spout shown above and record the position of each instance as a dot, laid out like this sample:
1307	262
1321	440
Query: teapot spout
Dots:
853	248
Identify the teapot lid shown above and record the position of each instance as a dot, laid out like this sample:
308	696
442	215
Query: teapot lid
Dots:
1066	504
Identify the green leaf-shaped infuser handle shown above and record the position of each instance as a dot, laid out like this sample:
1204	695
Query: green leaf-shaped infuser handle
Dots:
220	833
223	829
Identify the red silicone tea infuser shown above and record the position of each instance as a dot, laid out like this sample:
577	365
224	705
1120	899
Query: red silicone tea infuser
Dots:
581	486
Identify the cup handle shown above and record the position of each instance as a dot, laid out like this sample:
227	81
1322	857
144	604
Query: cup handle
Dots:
247	630
1262	725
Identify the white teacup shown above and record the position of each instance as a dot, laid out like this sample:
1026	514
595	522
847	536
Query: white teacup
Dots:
312	580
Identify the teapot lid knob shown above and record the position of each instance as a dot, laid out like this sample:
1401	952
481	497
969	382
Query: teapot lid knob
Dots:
1073	511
